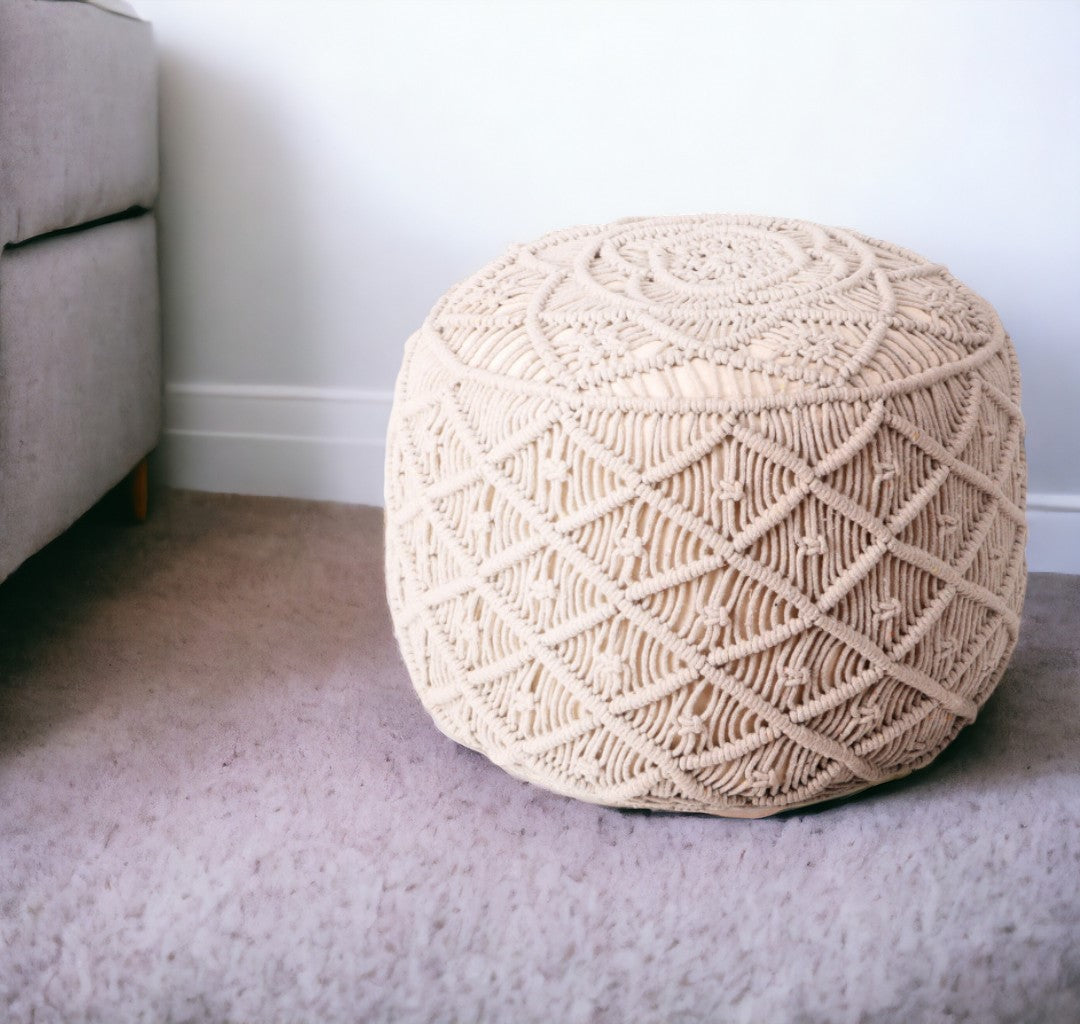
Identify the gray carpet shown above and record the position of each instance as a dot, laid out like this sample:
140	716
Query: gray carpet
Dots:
219	801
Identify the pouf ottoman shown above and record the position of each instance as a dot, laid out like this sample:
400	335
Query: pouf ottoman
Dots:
720	514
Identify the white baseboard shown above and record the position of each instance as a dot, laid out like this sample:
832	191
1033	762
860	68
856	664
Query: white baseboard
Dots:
327	444
1053	533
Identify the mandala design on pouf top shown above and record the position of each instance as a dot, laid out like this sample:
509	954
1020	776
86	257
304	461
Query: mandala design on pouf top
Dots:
716	514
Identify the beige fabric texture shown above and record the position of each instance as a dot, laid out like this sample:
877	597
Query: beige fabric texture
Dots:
718	514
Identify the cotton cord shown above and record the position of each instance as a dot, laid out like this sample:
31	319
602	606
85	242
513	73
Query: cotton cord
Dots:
721	514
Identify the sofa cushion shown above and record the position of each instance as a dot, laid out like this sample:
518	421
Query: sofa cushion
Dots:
80	375
78	115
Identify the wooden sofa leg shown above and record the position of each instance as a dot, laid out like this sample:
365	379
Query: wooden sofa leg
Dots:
139	490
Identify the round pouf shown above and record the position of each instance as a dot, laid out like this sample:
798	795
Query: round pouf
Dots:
716	514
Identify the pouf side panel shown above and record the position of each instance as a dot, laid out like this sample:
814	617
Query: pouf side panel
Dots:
461	719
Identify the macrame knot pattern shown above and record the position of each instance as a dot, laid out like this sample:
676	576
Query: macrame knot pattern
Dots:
761	780
630	549
524	702
947	524
544	591
946	649
691	725
812	544
867	715
886	610
714	614
719	514
554	470
795	675
605	342
728	490
794	684
885	472
481	520
611	674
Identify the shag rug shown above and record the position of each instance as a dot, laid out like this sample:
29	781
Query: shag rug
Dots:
220	801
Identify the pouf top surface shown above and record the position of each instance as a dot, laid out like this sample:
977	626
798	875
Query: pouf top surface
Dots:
718	309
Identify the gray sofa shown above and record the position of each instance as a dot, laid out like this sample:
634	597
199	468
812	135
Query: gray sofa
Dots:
80	352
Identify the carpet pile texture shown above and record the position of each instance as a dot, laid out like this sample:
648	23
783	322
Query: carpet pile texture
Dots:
220	801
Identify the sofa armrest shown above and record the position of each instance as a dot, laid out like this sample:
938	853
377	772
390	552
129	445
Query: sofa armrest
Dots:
78	115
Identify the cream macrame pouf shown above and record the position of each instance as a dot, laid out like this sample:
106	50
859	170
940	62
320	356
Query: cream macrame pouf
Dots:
719	514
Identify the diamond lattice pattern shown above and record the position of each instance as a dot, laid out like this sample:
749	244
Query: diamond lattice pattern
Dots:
711	515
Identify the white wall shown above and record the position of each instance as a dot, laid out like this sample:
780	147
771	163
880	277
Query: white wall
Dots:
330	167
